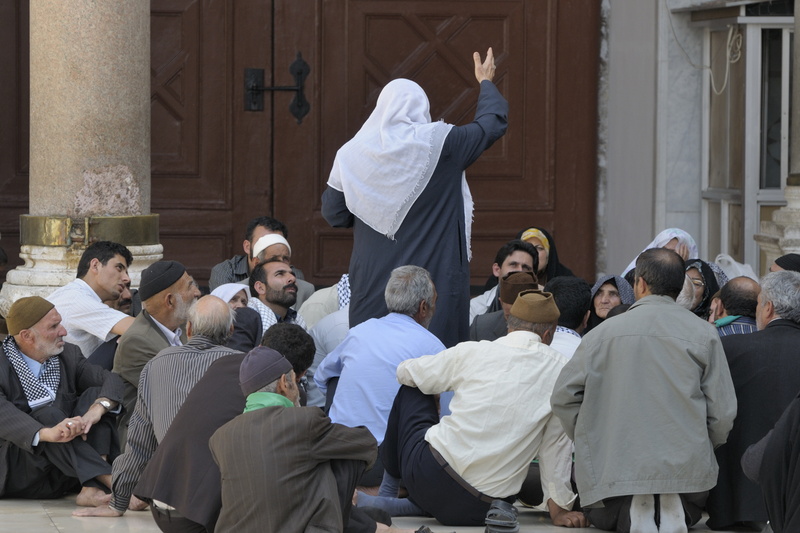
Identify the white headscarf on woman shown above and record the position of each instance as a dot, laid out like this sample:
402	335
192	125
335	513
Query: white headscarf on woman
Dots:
228	290
662	239
385	167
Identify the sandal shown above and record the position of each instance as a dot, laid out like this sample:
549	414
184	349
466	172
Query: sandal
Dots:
502	518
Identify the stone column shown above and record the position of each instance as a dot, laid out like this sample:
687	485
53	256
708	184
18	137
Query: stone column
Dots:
90	140
781	235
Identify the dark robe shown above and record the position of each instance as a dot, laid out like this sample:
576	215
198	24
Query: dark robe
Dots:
775	466
765	369
433	233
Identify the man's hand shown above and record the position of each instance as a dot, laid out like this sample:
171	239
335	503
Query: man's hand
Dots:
562	517
485	70
64	431
103	510
92	417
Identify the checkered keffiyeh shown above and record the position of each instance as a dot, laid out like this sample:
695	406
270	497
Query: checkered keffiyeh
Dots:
39	390
343	290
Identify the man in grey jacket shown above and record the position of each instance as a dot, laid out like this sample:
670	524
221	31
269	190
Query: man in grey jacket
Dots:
646	398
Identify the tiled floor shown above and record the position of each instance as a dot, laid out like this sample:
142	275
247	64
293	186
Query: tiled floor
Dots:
51	516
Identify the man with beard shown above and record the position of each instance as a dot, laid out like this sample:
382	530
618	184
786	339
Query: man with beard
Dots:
167	292
54	432
273	292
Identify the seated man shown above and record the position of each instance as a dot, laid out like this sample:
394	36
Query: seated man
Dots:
492	325
366	361
181	480
239	267
513	256
273	292
736	309
786	262
328	334
500	421
55	436
167	292
102	276
573	297
326	301
165	382
647	397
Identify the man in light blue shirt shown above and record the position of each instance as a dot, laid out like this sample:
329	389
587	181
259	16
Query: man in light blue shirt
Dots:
366	361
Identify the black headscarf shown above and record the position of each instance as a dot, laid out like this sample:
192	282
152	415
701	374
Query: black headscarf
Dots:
712	285
626	296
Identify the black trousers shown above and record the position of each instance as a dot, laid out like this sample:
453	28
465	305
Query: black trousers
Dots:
616	513
54	469
407	455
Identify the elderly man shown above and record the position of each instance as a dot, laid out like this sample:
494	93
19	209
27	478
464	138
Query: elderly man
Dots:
164	384
55	435
766	373
647	397
306	467
492	325
736	310
366	361
181	479
786	262
102	276
167	292
239	267
500	421
273	292
514	256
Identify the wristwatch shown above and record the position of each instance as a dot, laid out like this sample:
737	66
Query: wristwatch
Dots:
105	403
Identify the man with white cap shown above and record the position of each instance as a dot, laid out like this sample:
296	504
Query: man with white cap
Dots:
54	433
461	468
238	268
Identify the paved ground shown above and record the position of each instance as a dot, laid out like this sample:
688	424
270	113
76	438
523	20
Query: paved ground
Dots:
50	516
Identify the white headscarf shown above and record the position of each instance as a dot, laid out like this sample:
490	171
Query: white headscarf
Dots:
386	166
662	239
229	290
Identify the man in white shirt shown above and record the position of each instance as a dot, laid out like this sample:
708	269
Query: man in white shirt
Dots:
102	276
500	420
573	296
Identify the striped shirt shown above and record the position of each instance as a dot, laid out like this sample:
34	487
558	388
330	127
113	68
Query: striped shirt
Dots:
164	384
741	325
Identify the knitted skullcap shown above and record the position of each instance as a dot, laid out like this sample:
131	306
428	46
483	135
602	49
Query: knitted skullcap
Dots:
159	276
26	312
514	283
789	262
535	306
261	366
268	240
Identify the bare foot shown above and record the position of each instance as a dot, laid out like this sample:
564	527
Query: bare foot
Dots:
92	497
136	504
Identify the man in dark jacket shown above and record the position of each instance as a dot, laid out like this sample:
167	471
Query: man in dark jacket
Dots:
54	433
766	375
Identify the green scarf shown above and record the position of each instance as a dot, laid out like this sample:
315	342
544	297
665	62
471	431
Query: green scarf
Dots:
259	400
726	320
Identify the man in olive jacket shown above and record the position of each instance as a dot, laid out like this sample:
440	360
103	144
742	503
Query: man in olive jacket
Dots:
646	398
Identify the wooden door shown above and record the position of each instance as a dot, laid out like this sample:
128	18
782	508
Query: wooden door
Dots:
14	125
541	173
210	158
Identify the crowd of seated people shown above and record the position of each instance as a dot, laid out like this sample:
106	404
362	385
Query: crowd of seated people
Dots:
103	389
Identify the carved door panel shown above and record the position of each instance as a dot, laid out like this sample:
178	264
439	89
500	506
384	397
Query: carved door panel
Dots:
210	159
14	125
541	173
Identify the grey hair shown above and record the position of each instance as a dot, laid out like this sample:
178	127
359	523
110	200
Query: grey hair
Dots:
213	323
407	287
273	386
782	289
517	324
